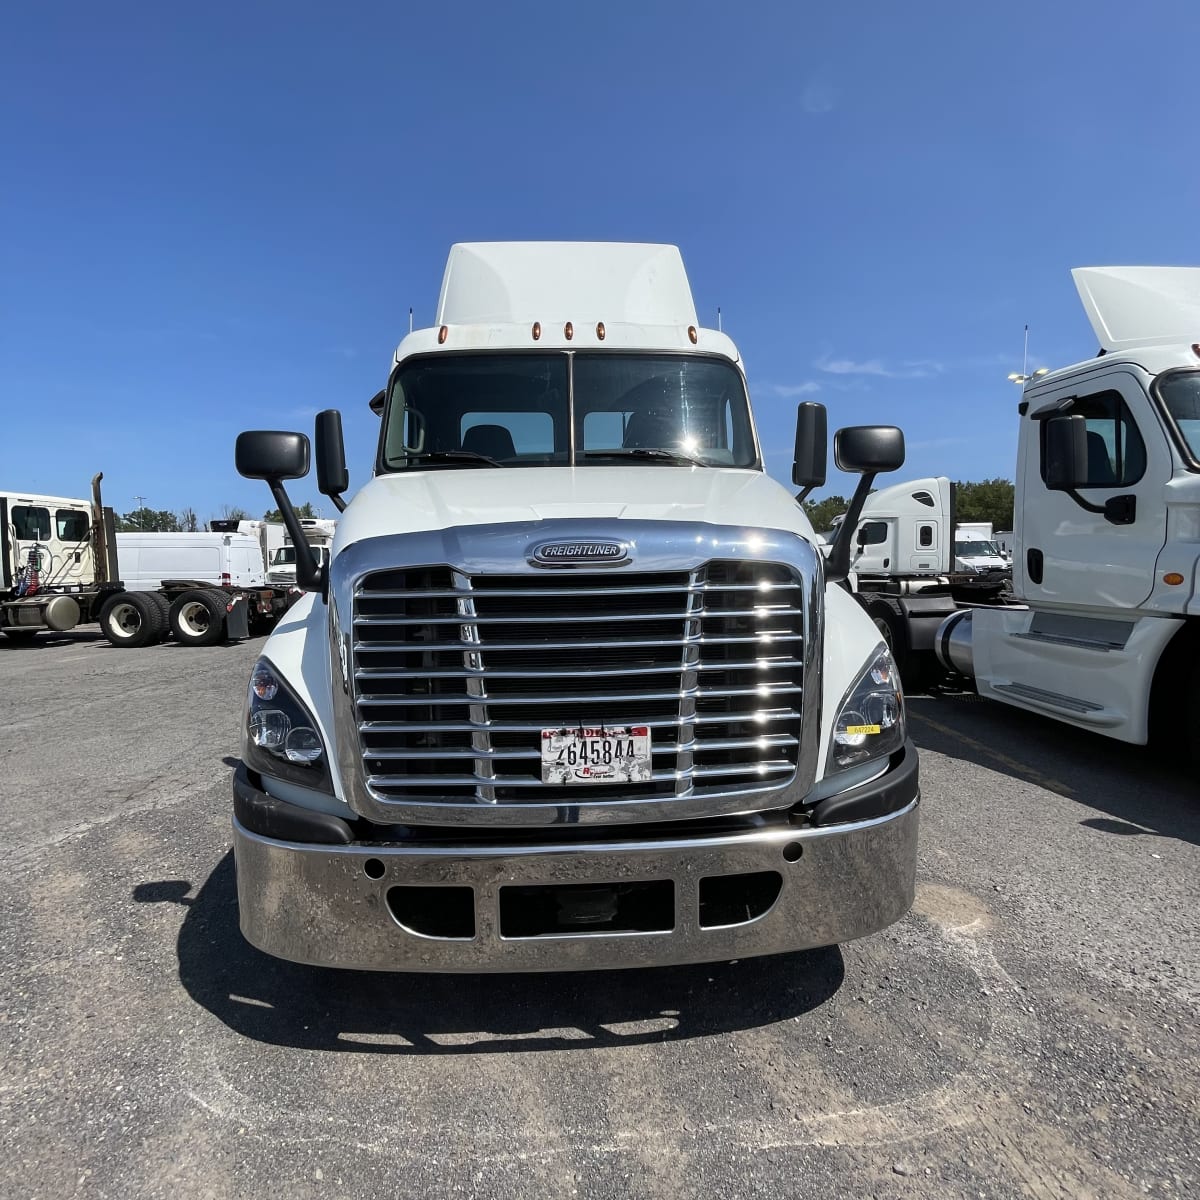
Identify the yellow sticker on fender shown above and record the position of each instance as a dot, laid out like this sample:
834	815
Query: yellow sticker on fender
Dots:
862	728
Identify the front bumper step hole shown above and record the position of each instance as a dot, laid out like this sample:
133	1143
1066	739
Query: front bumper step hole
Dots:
737	899
435	912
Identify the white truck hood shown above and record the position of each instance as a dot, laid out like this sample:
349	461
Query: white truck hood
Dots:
416	501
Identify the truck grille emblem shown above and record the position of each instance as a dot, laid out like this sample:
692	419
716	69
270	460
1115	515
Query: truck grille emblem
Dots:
554	554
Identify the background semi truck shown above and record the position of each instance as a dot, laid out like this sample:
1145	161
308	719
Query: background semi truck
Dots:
61	563
1106	631
577	687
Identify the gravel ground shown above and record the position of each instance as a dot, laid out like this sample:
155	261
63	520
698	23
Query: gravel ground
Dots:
1028	1030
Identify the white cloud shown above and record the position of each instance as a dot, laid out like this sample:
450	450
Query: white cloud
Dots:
918	369
819	96
790	390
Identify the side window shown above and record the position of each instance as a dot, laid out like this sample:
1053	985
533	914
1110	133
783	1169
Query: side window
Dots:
71	525
1116	454
31	524
925	535
873	533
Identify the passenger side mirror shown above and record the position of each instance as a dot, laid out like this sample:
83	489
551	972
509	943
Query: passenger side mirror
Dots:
332	477
865	450
811	458
868	448
1066	454
275	456
271	454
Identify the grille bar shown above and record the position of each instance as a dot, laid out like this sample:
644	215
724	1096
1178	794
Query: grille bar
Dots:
570	618
523	593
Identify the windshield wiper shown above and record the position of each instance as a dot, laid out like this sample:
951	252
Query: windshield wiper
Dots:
644	452
454	456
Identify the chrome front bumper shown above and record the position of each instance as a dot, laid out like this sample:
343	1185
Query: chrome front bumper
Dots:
329	905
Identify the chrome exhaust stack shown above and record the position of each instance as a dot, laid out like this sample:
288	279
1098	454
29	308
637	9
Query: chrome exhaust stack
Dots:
953	643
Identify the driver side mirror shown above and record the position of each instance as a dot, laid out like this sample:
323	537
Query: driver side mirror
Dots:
868	449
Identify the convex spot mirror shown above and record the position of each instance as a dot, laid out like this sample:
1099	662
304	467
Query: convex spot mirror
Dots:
868	449
808	464
271	454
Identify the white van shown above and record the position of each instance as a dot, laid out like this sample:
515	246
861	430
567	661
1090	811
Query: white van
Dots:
221	559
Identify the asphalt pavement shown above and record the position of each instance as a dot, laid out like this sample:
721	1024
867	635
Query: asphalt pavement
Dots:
1028	1030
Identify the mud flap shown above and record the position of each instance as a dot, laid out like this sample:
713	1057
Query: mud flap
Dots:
237	619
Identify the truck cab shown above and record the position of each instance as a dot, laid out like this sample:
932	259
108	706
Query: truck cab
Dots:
576	688
1107	522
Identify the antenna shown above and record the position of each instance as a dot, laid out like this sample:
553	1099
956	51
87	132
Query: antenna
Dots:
410	318
1025	356
718	318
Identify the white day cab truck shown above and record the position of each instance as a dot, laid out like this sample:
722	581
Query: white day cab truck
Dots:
1105	634
318	533
576	688
913	565
62	564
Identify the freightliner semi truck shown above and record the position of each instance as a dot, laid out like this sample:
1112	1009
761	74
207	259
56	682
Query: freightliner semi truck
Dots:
1105	634
577	688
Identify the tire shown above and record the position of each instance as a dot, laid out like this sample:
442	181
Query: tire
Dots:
20	637
164	606
131	619
198	617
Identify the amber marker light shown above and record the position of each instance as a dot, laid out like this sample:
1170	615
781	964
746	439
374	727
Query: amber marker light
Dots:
1172	579
443	334
693	335
568	331
600	330
537	330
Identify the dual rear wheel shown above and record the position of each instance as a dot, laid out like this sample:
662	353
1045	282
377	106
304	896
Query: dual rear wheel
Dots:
196	618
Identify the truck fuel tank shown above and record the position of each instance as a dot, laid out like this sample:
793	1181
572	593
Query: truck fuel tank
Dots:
953	643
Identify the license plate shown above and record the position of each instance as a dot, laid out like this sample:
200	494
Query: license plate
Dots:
596	754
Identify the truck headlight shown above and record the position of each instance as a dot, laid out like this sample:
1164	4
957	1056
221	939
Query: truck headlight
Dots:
281	735
870	721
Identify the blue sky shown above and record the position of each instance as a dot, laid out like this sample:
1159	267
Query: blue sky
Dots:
216	217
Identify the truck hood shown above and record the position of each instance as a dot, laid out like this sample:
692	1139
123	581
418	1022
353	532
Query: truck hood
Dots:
444	499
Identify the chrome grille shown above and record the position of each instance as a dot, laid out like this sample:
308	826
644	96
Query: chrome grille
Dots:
456	675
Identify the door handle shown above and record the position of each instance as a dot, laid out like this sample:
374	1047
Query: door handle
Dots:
1034	563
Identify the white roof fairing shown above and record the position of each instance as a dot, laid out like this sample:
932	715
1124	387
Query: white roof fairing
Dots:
502	283
1141	306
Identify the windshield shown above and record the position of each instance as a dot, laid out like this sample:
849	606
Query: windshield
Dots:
566	409
1180	393
976	549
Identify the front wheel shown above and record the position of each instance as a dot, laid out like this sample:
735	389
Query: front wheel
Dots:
131	619
198	618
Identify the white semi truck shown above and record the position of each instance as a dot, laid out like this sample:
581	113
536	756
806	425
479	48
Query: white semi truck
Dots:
318	533
910	571
576	688
1105	634
60	567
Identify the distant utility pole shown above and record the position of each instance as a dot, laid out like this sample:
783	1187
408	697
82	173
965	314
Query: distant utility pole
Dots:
140	502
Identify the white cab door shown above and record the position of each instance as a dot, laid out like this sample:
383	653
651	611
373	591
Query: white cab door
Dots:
1073	558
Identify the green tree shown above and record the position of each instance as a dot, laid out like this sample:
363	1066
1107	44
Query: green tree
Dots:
822	512
148	520
274	517
988	500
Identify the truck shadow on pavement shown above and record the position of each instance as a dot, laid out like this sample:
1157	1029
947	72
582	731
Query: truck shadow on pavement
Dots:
315	1008
1142	790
